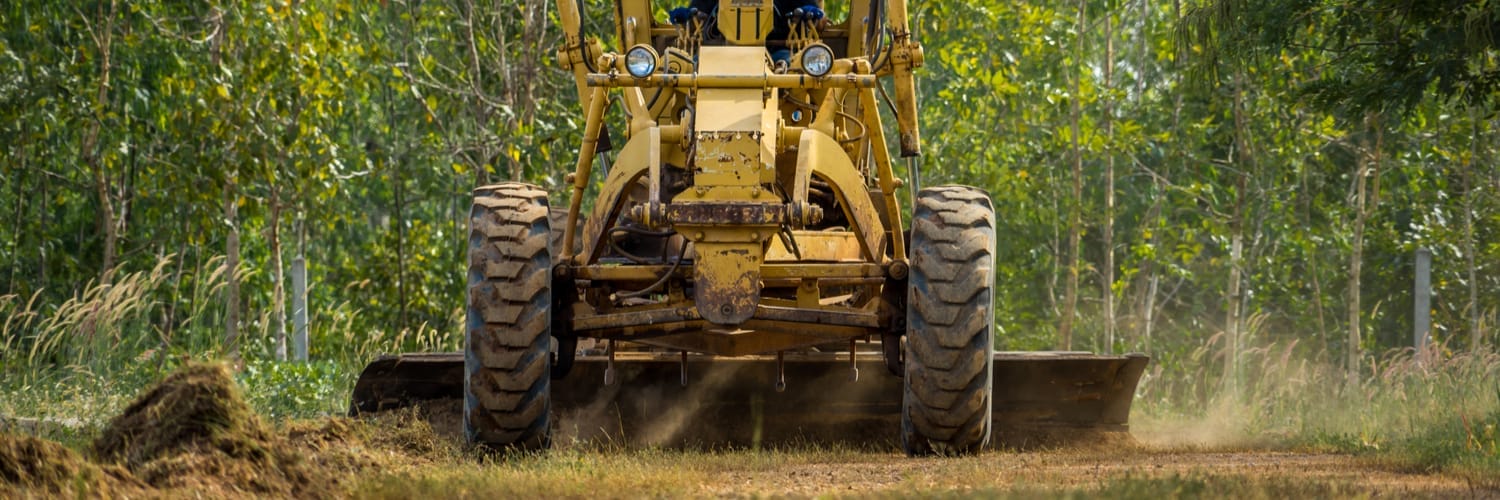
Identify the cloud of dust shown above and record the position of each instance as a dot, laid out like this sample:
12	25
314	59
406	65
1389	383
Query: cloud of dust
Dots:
1283	396
734	403
676	418
1222	425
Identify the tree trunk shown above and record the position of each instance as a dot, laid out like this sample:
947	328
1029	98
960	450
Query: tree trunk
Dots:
1243	159
1312	261
1109	183
17	231
1232	298
278	276
231	270
90	147
1162	183
43	224
1058	252
1470	270
299	293
1355	256
399	182
1075	207
1366	198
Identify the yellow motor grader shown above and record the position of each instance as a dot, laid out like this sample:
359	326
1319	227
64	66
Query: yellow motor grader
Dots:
747	238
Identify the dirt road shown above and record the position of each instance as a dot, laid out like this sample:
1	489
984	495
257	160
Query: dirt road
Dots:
1143	470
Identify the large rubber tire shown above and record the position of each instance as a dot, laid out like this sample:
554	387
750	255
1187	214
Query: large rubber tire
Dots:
507	378
950	318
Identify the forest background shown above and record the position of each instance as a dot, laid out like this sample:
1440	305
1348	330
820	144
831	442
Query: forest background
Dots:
1238	189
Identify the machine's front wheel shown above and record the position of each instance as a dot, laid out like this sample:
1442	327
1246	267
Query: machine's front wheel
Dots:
507	363
950	321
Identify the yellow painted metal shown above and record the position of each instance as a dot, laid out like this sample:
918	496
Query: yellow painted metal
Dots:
633	162
751	342
585	166
768	272
634	24
638	107
818	154
746	22
715	119
885	175
709	81
726	280
729	159
809	293
906	55
856	24
817	246
576	53
734	154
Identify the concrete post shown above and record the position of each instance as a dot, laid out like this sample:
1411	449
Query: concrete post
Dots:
299	308
1422	313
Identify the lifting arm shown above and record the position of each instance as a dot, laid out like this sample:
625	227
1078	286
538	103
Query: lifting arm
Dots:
576	52
906	55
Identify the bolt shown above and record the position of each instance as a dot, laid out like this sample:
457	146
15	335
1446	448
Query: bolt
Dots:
898	270
698	237
726	309
701	190
755	235
755	192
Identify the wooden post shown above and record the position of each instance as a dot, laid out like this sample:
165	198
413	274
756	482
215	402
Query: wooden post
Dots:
1422	313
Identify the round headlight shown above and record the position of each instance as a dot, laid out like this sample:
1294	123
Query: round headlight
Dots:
640	61
817	59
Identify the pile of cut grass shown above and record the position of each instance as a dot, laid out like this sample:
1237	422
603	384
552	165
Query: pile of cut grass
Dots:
194	433
29	464
194	430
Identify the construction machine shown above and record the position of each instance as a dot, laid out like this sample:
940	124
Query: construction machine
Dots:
746	255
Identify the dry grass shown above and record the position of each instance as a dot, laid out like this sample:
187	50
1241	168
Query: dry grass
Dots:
1438	415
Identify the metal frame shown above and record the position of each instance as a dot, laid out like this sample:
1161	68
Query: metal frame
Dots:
751	167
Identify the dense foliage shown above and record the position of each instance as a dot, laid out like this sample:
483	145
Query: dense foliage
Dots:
1275	196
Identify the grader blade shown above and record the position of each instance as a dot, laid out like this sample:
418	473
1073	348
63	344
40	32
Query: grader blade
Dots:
1040	398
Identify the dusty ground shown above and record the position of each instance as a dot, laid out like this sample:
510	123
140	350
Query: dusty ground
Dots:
1066	471
401	456
1157	463
193	436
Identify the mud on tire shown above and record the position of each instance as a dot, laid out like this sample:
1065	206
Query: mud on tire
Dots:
950	320
507	363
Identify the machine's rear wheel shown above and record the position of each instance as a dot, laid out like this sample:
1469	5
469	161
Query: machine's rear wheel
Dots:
507	363
950	321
